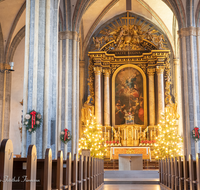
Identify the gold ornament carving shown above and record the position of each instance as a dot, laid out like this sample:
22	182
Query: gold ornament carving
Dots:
91	80
151	71
167	81
97	70
106	72
129	37
160	69
114	67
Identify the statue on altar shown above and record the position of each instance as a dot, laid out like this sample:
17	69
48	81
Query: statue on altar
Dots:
87	110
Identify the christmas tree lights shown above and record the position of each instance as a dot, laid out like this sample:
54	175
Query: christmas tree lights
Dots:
168	142
93	139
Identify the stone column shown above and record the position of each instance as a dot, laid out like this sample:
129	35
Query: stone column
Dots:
189	49
161	92
40	72
97	96
151	72
178	94
82	90
106	96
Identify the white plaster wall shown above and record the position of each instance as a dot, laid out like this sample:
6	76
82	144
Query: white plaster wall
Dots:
17	96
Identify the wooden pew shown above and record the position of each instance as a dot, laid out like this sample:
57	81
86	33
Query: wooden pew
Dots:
172	173
169	173
47	169
48	174
166	173
176	176
91	173
6	164
88	173
85	172
180	174
80	173
198	170
192	173
31	168
186	173
74	172
68	172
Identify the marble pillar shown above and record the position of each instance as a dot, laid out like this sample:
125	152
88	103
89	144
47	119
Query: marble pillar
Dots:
161	92
178	94
82	90
98	99
151	73
106	73
40	73
189	64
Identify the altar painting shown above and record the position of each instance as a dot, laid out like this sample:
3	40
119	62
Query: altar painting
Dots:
129	96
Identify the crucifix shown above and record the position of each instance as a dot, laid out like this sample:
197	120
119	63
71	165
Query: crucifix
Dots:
128	8
128	18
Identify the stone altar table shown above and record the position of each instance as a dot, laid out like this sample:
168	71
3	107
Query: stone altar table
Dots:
130	162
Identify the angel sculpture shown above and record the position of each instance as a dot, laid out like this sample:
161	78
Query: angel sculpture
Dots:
106	34
97	42
149	34
160	41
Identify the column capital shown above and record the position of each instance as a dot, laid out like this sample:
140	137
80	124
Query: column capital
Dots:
97	70
160	69
151	71
71	35
82	64
106	72
176	61
189	31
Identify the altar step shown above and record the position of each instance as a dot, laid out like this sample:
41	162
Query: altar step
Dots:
131	177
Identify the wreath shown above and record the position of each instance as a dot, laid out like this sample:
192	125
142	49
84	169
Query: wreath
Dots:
196	134
65	136
32	121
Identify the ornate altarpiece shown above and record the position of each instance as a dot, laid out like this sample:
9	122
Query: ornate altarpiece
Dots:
129	57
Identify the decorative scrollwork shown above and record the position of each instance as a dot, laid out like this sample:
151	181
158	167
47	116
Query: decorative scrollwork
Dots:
114	67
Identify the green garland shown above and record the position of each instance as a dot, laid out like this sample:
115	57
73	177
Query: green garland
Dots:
28	121
68	137
195	136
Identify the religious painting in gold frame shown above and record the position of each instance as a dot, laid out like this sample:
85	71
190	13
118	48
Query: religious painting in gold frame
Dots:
129	95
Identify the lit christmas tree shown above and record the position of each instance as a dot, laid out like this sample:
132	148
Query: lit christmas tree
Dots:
92	139
168	143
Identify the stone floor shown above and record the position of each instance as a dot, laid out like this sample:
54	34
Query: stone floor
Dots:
130	187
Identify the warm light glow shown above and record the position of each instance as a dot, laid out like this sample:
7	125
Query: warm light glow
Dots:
92	139
168	142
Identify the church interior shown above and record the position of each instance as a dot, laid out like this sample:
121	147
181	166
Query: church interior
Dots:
117	80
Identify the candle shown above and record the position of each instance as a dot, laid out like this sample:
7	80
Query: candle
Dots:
108	135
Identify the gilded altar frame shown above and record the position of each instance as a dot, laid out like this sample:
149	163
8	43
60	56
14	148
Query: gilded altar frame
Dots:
144	90
146	62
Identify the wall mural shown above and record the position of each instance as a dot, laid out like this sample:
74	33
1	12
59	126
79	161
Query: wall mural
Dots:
129	96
